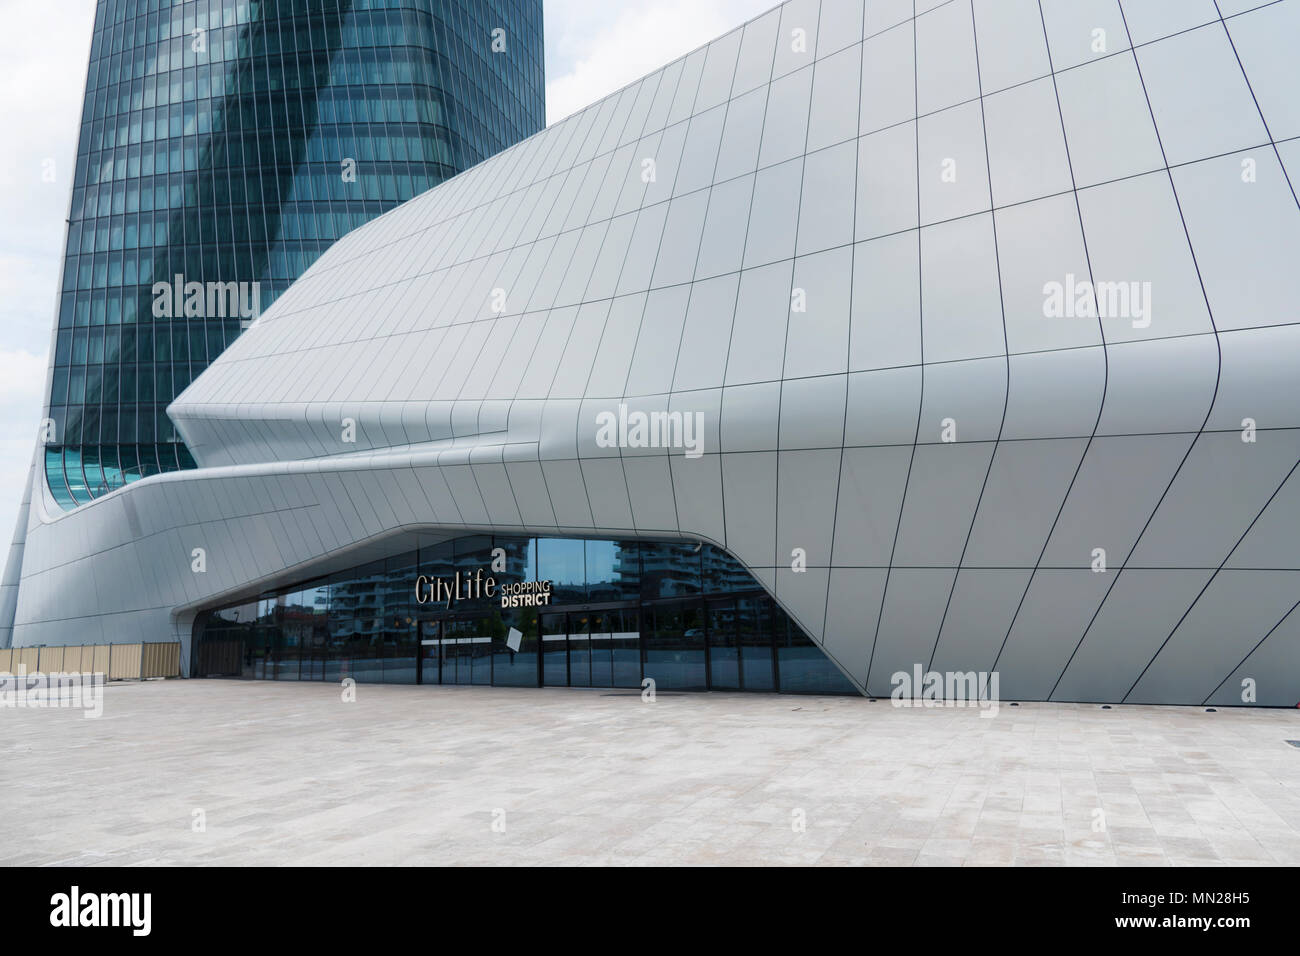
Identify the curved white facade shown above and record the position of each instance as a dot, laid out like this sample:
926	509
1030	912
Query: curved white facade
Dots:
918	432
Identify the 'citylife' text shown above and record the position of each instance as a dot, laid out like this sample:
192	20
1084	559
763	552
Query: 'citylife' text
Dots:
477	587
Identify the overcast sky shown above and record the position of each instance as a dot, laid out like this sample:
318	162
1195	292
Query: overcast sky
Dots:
593	47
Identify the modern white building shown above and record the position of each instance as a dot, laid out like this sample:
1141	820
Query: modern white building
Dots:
967	330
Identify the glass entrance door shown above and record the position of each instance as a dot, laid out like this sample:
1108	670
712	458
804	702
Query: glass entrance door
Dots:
674	647
590	648
724	650
430	655
579	650
602	660
625	646
458	652
555	649
313	663
520	666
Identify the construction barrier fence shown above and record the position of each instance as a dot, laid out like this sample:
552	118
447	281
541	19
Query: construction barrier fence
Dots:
117	661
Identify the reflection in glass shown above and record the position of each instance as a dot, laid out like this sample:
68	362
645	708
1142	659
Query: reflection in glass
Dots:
754	638
517	668
602	651
608	625
804	669
674	649
562	561
579	650
613	571
669	569
430	653
625	646
555	649
724	649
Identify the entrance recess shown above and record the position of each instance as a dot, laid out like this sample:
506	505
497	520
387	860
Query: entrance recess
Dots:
687	616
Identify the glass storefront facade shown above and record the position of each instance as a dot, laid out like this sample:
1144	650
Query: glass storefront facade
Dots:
688	616
229	143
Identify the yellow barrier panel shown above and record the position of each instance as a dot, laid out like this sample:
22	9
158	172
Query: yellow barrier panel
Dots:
50	660
116	661
124	662
161	660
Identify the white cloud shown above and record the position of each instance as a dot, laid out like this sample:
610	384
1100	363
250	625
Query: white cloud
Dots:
43	53
22	377
596	48
44	48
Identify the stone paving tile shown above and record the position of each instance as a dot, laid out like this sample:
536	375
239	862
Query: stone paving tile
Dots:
289	774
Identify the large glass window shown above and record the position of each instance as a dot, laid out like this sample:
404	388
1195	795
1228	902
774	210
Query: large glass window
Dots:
669	569
802	666
687	616
754	641
562	561
613	570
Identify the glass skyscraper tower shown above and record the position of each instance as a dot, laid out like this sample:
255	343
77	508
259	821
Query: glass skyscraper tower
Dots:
224	145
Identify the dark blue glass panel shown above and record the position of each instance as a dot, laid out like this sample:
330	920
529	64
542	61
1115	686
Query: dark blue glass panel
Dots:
562	561
724	646
803	668
674	638
754	636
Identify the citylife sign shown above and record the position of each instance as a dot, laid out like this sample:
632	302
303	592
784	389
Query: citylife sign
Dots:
477	587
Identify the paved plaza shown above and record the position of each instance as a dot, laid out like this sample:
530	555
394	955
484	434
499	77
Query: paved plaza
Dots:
233	772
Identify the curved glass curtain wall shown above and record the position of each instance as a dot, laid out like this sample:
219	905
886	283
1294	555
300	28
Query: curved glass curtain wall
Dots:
224	164
690	617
